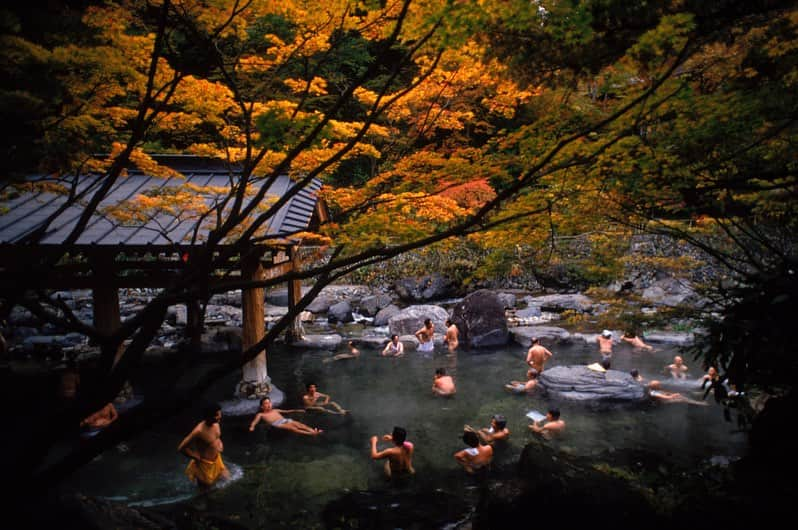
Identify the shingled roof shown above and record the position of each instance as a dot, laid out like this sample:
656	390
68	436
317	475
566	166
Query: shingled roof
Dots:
26	212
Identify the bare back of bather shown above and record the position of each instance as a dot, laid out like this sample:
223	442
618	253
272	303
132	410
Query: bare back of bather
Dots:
537	355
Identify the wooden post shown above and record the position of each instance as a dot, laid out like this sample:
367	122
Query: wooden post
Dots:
294	332
105	298
194	324
255	380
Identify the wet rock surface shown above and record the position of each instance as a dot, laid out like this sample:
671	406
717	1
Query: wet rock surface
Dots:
319	342
565	492
523	335
395	509
481	321
411	319
579	383
423	289
384	315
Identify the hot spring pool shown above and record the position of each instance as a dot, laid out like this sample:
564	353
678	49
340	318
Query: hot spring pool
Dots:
283	480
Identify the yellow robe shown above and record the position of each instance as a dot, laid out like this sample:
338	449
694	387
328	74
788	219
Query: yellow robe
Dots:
206	471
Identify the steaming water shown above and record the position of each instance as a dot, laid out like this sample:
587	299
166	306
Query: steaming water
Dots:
281	479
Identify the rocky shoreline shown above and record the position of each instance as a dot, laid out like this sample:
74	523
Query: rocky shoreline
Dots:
486	318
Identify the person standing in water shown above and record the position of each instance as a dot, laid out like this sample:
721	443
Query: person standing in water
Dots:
399	458
553	425
442	384
604	342
677	369
425	336
394	348
537	355
497	431
476	456
452	336
204	447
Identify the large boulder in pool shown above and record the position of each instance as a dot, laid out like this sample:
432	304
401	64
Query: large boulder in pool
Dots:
411	319
580	383
481	321
423	289
523	335
384	315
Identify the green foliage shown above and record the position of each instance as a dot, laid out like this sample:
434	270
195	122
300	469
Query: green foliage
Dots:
279	130
751	342
351	59
664	41
270	24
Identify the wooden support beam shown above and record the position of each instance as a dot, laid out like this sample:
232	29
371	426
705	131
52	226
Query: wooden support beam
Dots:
255	379
140	275
106	308
194	324
105	299
294	332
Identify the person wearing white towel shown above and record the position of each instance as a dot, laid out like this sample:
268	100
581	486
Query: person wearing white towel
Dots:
425	336
476	456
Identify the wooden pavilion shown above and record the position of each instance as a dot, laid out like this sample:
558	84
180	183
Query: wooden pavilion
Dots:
110	255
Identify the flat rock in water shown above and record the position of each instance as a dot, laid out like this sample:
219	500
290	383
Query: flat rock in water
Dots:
561	302
523	334
680	339
579	383
319	342
373	342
